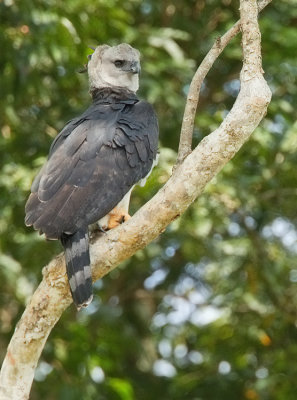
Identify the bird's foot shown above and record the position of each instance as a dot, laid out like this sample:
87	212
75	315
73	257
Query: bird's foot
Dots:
116	217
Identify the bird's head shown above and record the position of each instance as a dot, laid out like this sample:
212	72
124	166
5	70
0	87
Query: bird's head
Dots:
116	66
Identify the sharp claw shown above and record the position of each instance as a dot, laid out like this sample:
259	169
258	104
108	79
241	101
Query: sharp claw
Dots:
101	229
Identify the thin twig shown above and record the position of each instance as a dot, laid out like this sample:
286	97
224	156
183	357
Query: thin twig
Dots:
185	144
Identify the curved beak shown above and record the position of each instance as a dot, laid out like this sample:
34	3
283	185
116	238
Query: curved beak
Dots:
135	67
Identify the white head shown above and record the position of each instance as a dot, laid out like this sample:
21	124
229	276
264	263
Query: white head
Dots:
114	66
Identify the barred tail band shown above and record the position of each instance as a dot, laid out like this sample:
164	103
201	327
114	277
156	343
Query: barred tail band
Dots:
78	268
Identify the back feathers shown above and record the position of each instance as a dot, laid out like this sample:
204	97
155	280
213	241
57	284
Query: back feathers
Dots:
93	163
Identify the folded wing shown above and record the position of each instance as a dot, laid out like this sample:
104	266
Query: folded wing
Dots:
93	163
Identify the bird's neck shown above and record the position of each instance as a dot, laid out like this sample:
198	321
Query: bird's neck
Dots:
112	95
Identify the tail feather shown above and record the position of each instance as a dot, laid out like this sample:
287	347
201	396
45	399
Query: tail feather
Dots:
78	268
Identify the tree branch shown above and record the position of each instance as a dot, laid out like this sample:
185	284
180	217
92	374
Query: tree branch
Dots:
52	296
185	144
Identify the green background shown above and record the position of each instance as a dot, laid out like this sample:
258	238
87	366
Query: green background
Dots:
208	310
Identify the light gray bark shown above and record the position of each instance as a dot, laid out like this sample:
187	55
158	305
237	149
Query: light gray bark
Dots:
189	179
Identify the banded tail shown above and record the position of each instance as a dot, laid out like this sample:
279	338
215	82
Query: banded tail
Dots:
78	268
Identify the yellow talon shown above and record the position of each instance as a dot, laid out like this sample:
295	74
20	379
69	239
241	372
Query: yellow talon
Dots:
116	217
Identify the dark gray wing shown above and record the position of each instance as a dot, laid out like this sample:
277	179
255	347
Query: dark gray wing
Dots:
93	163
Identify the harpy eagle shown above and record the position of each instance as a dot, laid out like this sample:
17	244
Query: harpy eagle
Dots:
94	163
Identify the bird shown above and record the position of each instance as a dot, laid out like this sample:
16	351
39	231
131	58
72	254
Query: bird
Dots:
94	163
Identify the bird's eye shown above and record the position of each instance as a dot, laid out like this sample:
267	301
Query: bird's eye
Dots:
119	63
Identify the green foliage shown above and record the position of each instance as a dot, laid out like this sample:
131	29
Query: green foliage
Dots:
207	311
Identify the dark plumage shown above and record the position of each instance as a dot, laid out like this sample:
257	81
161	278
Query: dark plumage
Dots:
93	162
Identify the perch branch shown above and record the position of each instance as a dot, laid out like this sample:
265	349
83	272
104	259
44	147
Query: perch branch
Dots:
52	296
185	143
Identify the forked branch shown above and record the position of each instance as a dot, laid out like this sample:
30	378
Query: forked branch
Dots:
186	135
